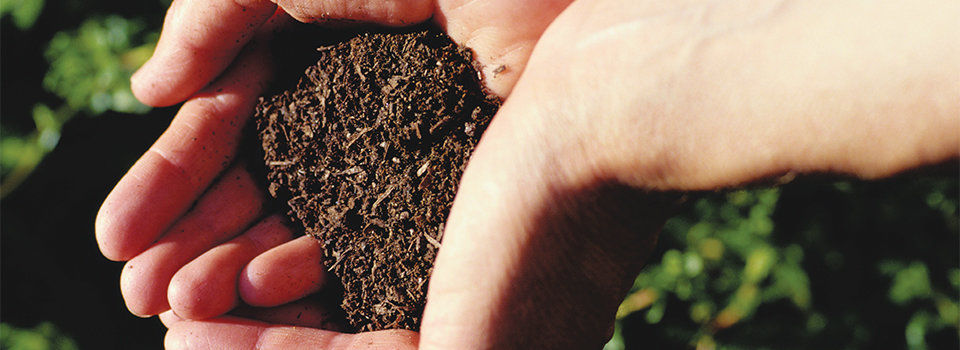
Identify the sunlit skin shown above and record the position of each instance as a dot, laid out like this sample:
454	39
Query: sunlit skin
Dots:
608	105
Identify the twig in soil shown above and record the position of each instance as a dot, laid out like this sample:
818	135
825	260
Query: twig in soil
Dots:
381	197
432	241
423	168
439	124
356	137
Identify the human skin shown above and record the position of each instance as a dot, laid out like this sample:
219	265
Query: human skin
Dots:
613	108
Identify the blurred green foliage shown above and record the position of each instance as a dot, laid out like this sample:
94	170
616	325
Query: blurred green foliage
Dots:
89	71
44	336
90	67
24	13
726	258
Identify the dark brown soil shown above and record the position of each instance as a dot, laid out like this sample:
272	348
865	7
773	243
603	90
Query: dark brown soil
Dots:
367	151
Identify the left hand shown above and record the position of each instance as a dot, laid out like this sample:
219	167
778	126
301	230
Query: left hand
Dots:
189	220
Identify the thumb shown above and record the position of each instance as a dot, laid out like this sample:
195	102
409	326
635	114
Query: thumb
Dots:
537	241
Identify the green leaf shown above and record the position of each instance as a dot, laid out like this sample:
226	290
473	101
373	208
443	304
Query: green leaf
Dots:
692	264
616	341
759	263
954	277
23	12
916	331
44	336
909	283
700	312
655	313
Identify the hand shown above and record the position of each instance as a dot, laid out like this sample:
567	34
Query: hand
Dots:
189	217
186	217
668	97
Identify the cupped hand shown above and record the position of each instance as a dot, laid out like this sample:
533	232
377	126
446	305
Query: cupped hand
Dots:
622	103
188	217
190	220
619	104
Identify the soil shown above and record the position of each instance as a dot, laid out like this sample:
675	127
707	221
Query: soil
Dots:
367	151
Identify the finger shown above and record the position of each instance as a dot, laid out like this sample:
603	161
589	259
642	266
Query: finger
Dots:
231	205
389	12
168	318
201	37
207	286
236	333
283	274
502	34
300	313
199	144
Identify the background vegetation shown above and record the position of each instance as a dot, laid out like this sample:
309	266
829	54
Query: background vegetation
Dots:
817	263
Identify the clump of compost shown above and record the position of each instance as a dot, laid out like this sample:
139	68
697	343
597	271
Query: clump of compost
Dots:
367	151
